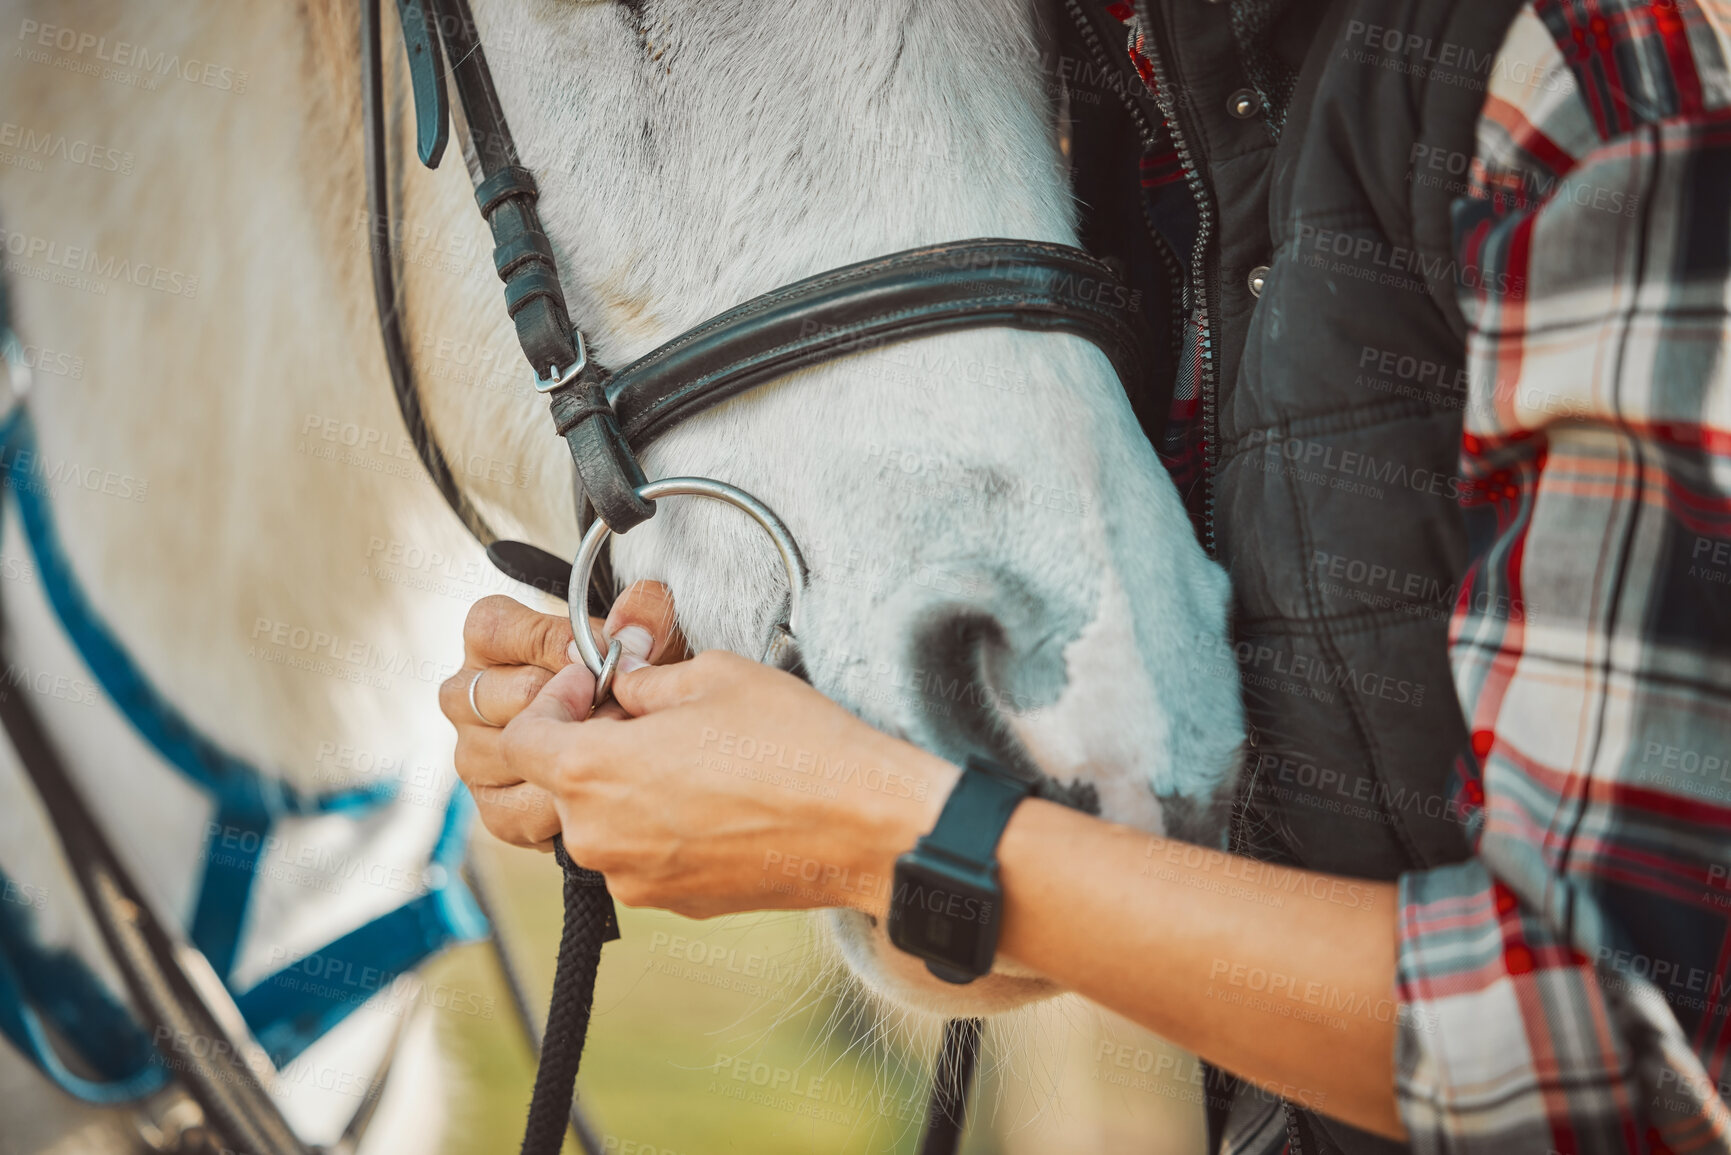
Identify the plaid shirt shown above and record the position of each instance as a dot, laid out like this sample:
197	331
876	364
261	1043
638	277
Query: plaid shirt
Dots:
1569	988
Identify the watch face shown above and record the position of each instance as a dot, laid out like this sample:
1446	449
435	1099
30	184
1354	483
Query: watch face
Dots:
945	914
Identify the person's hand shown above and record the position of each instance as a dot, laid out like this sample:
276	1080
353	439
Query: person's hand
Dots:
733	786
509	652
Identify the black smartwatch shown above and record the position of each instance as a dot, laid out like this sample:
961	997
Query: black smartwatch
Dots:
947	903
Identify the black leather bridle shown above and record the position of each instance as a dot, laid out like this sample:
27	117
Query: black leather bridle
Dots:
607	416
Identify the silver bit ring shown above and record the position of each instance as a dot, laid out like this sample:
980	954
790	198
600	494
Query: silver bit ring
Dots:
781	651
604	680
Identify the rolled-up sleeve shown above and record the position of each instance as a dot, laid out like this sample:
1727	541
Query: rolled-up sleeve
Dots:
1569	988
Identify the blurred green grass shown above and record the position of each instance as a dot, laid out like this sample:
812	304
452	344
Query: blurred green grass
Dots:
683	1007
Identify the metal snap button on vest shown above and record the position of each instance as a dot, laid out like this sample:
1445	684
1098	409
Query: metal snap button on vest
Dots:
1244	103
1257	279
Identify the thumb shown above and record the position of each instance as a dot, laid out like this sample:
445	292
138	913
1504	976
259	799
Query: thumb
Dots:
567	696
650	688
642	622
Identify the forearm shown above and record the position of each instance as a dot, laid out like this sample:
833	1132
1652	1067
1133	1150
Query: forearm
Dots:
1283	977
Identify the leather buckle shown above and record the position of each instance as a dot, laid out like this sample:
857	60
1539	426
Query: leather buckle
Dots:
553	382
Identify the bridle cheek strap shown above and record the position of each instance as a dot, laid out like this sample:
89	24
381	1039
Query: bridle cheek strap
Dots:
608	472
506	194
523	256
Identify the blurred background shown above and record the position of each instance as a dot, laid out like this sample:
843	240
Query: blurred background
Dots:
733	1035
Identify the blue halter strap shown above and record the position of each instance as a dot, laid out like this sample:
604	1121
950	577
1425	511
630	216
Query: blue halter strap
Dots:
44	991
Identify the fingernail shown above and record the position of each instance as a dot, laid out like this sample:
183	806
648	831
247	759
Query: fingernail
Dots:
635	642
629	662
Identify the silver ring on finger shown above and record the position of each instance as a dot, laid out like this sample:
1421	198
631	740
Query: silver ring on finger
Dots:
474	703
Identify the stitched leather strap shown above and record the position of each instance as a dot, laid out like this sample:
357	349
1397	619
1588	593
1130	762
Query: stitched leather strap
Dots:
917	293
427	78
506	195
607	469
524	258
380	245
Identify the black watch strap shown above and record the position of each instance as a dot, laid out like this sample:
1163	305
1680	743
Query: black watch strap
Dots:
976	812
947	902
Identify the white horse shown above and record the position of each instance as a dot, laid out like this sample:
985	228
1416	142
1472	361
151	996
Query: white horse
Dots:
186	240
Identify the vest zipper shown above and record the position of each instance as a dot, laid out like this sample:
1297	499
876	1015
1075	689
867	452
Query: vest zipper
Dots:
1150	140
1091	41
1294	1141
1147	46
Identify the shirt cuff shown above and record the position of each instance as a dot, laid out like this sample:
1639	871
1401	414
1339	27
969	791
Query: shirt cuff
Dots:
1468	986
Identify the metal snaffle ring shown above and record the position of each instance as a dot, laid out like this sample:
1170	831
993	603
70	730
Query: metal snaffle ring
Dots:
609	667
781	649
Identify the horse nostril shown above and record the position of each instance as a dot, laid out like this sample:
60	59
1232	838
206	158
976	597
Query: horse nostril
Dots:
976	676
963	656
959	640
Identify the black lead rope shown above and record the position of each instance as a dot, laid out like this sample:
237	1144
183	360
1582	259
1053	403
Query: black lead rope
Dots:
947	1114
590	924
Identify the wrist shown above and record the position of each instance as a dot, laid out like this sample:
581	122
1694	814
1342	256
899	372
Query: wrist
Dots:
890	822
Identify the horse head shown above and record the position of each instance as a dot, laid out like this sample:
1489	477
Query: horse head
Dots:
999	562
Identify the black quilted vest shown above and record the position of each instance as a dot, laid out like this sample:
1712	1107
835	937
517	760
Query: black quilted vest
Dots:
1335	411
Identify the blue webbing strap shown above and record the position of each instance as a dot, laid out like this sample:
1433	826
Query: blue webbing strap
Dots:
38	983
247	801
240	788
287	1015
287	1011
308	997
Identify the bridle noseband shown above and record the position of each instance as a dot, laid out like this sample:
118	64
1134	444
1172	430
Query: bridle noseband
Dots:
607	417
